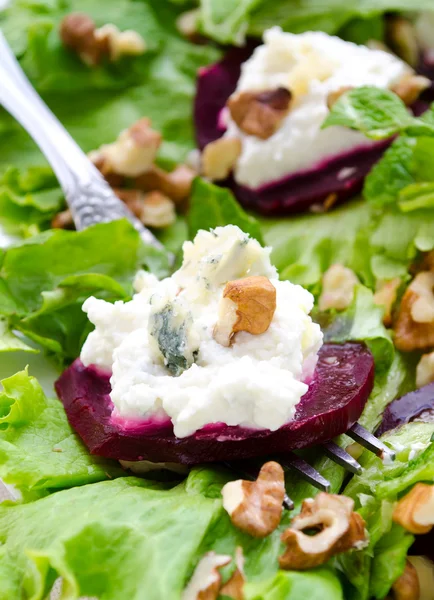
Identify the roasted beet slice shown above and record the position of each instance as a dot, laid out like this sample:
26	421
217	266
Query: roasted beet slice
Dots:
415	405
340	177
337	394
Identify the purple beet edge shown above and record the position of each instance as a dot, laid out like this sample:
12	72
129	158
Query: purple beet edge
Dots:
340	387
415	405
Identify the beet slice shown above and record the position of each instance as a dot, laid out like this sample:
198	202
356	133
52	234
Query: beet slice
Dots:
407	408
341	175
342	382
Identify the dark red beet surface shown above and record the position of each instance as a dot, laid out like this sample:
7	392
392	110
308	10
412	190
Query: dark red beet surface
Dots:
297	192
407	408
336	397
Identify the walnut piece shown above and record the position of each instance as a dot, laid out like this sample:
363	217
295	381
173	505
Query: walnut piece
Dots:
334	96
132	153
414	324
247	305
187	24
402	39
415	511
234	587
120	43
385	296
63	220
175	184
410	87
338	285
154	209
407	587
220	157
79	33
339	530
255	507
425	573
425	370
259	113
206	580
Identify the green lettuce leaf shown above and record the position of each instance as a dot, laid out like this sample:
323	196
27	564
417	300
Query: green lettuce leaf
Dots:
160	84
44	281
39	452
212	206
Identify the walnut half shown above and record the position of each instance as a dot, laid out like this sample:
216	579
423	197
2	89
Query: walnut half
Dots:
256	506
414	325
415	511
260	113
407	586
339	530
247	305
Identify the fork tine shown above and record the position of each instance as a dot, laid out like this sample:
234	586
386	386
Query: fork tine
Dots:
342	458
370	442
305	470
251	474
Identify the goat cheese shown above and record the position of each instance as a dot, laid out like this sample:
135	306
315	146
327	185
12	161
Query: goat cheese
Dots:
311	65
165	361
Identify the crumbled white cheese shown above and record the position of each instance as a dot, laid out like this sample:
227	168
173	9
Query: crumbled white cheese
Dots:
167	330
312	65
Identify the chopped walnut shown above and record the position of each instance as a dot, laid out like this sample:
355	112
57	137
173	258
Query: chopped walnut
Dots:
414	324
132	153
410	87
234	587
220	157
334	96
407	586
339	530
425	370
255	507
385	296
415	511
78	33
425	573
206	580
402	39
120	43
63	220
175	184
338	285
187	24
247	305
259	113
153	209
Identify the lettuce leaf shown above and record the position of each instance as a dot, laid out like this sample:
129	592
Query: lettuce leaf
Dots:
39	452
160	84
45	280
212	206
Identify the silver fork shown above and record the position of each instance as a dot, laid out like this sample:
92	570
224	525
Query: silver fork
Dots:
87	194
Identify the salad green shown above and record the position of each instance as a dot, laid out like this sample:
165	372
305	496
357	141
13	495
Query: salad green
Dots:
86	519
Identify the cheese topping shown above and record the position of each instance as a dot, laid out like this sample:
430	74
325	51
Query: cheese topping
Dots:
165	361
311	65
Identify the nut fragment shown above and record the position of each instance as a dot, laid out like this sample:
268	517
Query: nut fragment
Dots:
63	220
425	370
206	580
339	530
234	587
402	39
132	153
338	285
414	325
336	94
259	113
176	184
410	87
385	296
187	24
415	511
77	32
256	506
154	209
407	587
120	43
220	157
247	305
425	573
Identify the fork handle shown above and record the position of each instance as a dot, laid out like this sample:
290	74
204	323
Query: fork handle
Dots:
88	195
